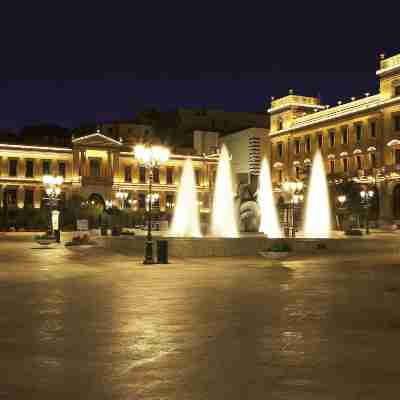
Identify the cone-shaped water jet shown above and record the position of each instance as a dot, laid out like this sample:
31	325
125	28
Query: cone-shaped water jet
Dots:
269	217
318	211
186	222
224	222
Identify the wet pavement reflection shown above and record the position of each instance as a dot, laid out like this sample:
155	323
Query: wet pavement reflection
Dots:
88	324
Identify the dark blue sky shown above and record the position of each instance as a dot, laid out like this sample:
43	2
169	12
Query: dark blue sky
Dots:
69	64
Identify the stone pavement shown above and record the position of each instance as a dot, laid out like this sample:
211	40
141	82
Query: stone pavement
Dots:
88	324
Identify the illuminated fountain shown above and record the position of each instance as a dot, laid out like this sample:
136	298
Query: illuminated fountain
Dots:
186	222
223	222
318	211
269	217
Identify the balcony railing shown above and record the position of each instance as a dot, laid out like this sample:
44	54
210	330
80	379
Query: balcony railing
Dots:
97	180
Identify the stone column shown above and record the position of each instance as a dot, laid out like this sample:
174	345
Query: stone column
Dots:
36	197
109	164
20	196
116	172
162	201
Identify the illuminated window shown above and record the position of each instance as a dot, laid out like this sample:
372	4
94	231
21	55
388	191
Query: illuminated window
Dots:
297	146
156	175
197	173
397	123
12	167
373	160
280	150
46	167
94	167
332	166
345	137
320	140
142	200
308	144
11	197
359	162
170	175
345	164
169	201
142	174
28	199
373	129
358	133
29	169
128	174
61	168
331	138
397	156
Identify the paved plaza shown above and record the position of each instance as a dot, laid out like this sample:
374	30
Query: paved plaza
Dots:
83	323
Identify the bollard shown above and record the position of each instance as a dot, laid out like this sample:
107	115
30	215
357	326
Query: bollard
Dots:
162	251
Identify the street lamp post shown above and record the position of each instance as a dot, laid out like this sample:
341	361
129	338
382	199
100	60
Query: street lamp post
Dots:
342	205
151	157
53	189
366	199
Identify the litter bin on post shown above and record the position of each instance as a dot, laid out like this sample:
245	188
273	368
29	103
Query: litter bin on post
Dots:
162	251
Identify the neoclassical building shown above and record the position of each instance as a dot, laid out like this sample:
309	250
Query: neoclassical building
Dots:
97	167
359	139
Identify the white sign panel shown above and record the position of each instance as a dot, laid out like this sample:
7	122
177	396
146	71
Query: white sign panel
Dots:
54	219
82	225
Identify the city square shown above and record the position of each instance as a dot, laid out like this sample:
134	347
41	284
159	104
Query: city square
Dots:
88	322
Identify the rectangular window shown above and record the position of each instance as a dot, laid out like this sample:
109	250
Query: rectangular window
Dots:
169	201
297	172
345	137
29	169
331	138
156	175
11	197
142	200
128	174
142	174
345	164
280	175
332	166
373	129
373	160
397	156
198	177
308	144
397	123
61	168
359	162
358	133
297	146
46	167
320	140
397	90
28	200
170	175
280	150
12	167
94	167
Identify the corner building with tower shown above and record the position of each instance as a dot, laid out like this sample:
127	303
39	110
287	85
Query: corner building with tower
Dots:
359	139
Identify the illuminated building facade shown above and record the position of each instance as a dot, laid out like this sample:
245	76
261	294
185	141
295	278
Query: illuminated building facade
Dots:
96	167
359	139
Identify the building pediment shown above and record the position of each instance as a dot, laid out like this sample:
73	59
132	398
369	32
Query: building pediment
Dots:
96	140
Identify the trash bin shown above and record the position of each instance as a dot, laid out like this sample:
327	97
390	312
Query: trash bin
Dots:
162	251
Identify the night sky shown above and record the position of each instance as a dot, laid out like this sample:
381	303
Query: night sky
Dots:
67	65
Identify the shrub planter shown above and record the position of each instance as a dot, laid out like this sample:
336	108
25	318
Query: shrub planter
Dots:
275	255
